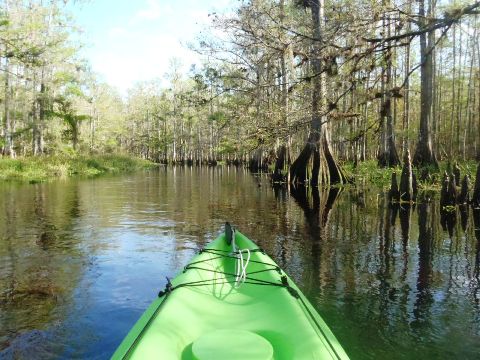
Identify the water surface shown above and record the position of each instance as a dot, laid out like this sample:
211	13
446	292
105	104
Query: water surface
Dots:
80	260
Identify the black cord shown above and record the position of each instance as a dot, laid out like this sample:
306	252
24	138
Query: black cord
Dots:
169	288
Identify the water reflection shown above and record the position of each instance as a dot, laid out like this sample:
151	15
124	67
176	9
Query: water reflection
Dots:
316	205
448	219
476	272
386	278
37	274
464	212
424	298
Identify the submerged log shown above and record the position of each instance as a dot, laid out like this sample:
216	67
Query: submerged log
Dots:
406	180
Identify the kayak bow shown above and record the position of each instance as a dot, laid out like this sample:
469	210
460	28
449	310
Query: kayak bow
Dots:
232	301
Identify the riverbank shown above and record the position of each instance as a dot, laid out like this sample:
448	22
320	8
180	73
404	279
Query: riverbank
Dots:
368	172
38	169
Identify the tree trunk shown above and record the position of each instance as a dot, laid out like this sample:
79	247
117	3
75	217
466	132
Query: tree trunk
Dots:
406	99
388	156
40	121
331	173
452	115
283	150
7	118
424	155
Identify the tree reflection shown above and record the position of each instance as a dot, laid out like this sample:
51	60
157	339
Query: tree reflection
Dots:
47	232
386	245
424	297
464	212
317	213
476	272
404	214
37	280
448	220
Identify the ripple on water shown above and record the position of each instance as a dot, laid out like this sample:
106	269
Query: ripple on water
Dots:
75	253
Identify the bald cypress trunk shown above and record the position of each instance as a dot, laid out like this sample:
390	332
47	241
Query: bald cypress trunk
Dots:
7	118
325	166
424	152
283	151
388	156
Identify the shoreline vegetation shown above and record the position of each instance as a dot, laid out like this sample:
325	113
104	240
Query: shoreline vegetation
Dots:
40	169
300	89
44	168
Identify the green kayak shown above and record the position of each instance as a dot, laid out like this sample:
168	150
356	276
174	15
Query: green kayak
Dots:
231	302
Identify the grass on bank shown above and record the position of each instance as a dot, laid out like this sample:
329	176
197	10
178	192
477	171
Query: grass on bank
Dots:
38	169
369	172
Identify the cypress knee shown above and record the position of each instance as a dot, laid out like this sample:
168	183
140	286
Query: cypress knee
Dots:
452	190
444	191
406	179
394	193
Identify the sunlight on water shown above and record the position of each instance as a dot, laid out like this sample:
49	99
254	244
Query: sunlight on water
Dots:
81	259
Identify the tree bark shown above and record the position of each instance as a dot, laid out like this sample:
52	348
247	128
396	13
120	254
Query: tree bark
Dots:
424	155
330	171
7	118
283	150
388	156
406	98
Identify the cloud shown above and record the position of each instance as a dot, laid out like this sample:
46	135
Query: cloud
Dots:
117	31
154	10
140	60
136	41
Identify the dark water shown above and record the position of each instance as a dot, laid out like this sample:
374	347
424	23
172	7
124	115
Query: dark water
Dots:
81	259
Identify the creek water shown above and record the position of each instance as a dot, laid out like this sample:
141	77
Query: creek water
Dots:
80	260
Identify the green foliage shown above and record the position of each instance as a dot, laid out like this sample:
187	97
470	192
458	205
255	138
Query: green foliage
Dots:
253	93
449	208
62	166
218	117
226	147
368	171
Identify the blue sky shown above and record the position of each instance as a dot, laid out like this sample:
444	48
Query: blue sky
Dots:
132	40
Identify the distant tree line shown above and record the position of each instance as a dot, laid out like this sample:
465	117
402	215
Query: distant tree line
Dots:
299	85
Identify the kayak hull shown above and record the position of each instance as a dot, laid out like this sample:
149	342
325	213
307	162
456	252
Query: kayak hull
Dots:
205	298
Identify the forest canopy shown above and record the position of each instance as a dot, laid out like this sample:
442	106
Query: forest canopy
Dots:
302	85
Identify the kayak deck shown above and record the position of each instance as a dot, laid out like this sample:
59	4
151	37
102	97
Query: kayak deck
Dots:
205	298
